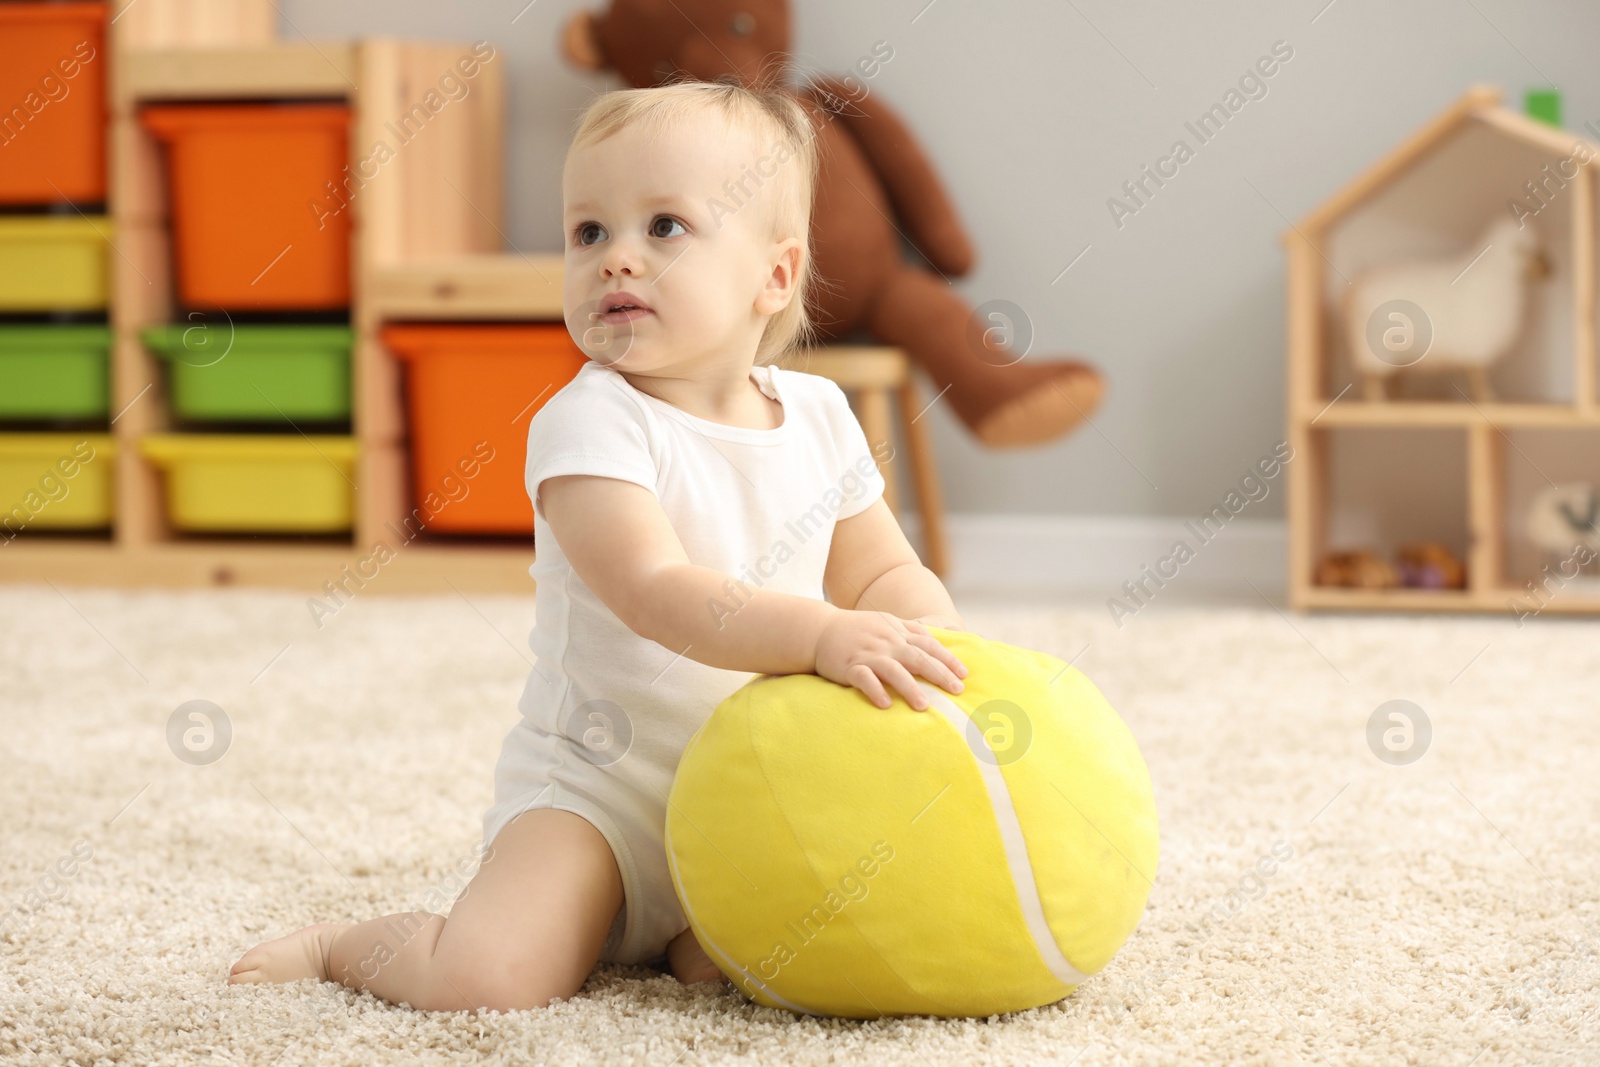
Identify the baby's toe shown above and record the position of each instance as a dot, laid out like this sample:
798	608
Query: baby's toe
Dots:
244	972
287	959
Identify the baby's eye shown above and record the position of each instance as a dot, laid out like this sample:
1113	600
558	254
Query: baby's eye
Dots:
589	232
667	221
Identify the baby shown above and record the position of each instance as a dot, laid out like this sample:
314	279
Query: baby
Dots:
693	504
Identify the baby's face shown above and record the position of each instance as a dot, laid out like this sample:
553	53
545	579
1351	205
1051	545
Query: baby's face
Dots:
651	217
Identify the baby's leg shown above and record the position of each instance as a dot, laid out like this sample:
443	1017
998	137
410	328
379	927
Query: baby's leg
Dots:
529	928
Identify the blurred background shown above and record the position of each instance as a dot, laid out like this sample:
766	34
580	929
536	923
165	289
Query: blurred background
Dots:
1055	106
1049	146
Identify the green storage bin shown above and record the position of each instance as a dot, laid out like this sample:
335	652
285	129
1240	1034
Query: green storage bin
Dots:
254	373
54	372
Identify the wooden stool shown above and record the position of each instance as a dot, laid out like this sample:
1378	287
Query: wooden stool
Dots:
870	373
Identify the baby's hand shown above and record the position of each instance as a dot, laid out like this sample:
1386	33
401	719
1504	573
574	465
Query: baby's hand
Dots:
865	649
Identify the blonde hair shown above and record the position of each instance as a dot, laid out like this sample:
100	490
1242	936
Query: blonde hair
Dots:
771	115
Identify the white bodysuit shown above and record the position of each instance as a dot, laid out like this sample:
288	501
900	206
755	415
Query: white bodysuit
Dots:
606	714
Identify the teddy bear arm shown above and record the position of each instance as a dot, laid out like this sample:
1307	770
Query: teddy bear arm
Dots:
919	198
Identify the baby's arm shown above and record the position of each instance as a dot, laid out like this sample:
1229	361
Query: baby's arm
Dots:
871	565
622	545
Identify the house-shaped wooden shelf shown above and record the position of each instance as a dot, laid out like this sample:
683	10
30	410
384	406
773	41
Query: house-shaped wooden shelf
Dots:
1432	462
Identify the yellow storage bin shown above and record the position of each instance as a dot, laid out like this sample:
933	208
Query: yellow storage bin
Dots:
238	483
54	262
56	481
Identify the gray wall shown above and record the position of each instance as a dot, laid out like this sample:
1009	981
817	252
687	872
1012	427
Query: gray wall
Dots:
1035	114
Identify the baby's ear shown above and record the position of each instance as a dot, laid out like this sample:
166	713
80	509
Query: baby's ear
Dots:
785	276
580	42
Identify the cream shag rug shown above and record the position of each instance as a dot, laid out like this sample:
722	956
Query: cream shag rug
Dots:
1313	904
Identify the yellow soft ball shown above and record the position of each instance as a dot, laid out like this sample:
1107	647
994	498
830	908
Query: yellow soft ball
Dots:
983	856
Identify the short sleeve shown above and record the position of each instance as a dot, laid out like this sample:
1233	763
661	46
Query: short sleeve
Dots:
589	427
859	477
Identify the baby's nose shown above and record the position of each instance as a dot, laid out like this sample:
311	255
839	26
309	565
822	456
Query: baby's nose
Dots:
620	258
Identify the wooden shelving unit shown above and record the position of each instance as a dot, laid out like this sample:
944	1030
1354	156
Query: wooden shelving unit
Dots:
1323	254
428	233
427	246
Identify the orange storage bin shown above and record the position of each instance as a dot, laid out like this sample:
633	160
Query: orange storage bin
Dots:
52	103
473	386
255	221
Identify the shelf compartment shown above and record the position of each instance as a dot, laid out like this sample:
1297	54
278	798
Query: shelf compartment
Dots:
1385	487
250	483
1438	208
54	262
54	373
256	373
55	482
1544	467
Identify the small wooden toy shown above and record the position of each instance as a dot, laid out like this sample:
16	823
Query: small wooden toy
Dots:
1359	569
1430	565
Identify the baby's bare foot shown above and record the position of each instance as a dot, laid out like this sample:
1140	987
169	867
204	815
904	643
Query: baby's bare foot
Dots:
303	954
689	961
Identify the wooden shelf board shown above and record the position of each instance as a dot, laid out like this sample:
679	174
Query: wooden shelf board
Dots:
276	70
1318	596
1422	600
414	568
467	287
1445	413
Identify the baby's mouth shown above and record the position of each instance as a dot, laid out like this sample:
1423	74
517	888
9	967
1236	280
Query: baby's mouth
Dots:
624	313
622	306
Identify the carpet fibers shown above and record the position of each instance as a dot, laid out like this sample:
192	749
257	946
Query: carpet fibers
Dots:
1314	903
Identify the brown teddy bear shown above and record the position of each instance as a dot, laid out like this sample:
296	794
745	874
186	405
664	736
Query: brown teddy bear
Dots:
875	184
